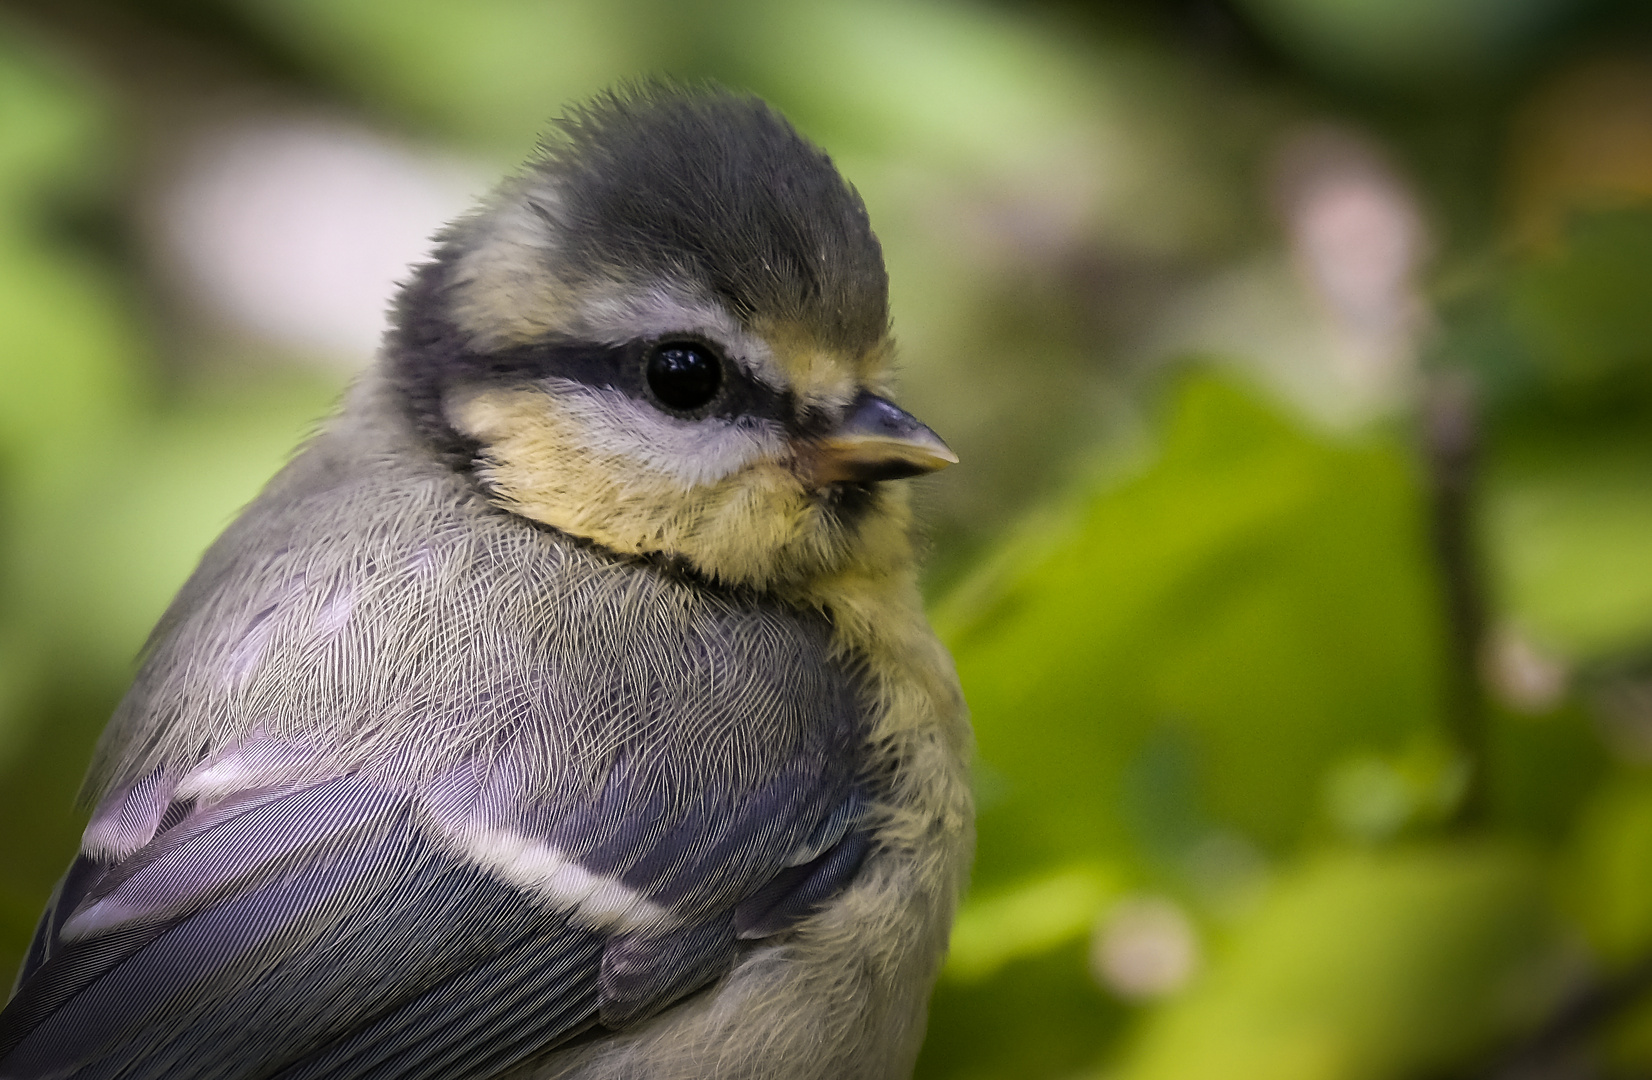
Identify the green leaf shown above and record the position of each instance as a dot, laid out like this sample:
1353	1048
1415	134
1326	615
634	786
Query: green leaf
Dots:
1040	1016
1031	919
1609	884
69	345
66	386
1582	308
487	73
1188	652
1361	967
1569	523
99	571
1425	44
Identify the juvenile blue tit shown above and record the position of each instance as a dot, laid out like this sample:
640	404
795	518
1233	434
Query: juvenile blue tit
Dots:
566	707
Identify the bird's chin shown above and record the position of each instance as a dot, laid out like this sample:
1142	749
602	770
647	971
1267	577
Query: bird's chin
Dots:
848	500
825	530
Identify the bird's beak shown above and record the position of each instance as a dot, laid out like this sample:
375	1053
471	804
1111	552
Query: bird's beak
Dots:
877	441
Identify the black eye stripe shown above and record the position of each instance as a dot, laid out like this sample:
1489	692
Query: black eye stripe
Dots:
624	368
429	358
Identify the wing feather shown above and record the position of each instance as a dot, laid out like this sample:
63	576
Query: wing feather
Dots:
336	930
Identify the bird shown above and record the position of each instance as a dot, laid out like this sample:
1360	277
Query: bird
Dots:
565	707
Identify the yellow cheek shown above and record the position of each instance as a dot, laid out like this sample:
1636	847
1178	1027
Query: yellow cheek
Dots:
755	527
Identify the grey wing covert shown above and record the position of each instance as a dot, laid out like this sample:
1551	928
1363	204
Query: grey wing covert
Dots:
348	928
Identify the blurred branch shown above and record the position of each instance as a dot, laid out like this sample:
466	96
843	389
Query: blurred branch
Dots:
172	44
1450	434
1553	1051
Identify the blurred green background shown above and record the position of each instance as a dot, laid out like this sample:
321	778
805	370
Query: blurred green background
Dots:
1299	355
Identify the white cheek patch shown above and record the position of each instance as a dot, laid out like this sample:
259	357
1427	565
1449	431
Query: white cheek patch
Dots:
545	873
691	452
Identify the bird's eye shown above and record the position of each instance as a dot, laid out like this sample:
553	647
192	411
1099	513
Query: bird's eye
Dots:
683	375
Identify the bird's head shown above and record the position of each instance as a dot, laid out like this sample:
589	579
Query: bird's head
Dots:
670	335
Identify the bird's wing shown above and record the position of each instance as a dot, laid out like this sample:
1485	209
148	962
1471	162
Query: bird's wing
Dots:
350	928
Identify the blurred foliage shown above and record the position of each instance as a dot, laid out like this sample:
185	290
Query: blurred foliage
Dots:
1432	46
1191	633
1364	965
1198	609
